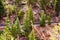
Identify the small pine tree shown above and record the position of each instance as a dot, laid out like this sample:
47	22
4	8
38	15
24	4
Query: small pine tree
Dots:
42	19
49	19
1	9
20	14
11	31
54	4
44	3
32	35
31	2
28	19
30	13
15	29
18	1
6	33
57	8
1	32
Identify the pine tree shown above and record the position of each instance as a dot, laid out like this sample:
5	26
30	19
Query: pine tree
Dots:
18	1
31	2
6	33
54	4
20	14
1	9
32	35
28	20
11	31
49	19
15	29
57	8
43	4
42	19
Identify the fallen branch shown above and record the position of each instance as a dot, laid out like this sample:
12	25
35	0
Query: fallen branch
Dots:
41	35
